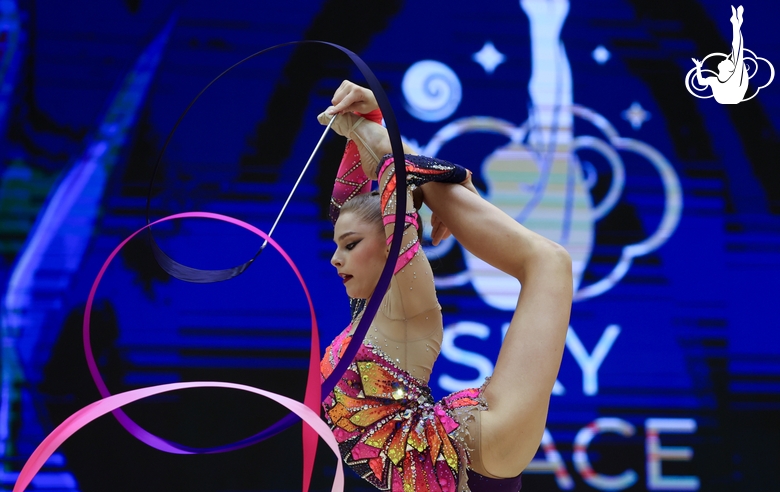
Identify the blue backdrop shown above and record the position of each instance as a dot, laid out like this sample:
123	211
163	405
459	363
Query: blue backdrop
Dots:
575	119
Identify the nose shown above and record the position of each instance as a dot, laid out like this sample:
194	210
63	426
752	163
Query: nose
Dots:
335	260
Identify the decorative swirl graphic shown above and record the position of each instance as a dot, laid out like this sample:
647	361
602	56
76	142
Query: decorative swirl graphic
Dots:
432	90
539	180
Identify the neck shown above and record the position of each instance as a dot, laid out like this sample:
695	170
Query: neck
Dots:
357	306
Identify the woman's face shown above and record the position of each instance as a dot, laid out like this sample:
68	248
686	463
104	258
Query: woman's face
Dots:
360	256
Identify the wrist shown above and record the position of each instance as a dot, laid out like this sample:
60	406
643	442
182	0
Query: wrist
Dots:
418	197
374	115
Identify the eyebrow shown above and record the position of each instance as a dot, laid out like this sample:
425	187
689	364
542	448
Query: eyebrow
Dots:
345	235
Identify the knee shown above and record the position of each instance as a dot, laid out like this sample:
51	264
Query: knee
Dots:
548	258
560	258
559	265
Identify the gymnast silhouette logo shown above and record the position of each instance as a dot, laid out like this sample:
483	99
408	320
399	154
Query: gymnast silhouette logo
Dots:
730	84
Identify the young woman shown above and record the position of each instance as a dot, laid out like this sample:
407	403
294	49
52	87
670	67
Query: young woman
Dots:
390	430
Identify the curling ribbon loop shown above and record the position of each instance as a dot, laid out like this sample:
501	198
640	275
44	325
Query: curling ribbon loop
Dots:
313	394
112	403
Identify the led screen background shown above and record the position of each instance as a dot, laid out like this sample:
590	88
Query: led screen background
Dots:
668	204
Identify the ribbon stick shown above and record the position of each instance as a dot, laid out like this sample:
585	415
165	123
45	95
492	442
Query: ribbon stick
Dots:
295	186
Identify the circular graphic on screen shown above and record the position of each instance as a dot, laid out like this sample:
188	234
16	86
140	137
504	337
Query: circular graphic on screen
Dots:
432	90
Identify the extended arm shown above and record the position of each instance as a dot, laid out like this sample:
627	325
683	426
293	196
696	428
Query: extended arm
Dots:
701	80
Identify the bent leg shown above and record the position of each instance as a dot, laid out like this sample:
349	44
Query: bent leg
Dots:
519	392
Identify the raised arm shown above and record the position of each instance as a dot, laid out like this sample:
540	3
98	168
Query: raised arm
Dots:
412	289
701	80
351	180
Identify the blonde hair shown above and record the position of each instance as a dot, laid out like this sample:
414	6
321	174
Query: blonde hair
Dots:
368	206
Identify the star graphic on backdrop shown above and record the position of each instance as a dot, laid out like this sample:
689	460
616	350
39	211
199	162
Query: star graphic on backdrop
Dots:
489	57
636	115
601	54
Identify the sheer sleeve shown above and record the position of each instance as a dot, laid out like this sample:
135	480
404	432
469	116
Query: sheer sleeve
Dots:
350	178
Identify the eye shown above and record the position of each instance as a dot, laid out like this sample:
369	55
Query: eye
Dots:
352	245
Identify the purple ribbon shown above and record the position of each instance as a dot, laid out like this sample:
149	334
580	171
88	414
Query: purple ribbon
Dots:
101	407
315	392
190	274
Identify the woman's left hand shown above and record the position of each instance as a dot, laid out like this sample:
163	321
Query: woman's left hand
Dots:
439	230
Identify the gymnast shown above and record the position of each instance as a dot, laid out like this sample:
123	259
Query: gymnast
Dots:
731	84
389	428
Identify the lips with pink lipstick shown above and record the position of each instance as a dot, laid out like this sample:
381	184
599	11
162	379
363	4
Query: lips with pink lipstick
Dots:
345	277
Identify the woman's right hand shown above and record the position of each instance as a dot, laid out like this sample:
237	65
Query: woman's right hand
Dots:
352	97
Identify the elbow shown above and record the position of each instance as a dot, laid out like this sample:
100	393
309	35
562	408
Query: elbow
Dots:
370	169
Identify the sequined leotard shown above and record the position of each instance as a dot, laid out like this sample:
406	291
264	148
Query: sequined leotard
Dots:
391	431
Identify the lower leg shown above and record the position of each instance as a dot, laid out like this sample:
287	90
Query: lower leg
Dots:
485	230
519	392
